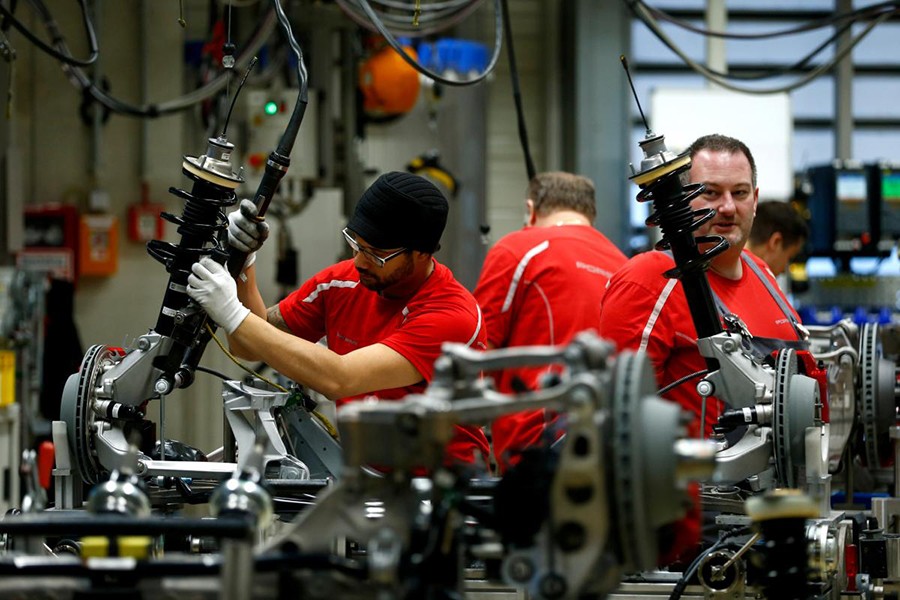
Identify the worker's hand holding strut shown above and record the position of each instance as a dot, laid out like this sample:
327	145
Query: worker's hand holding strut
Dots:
213	288
245	231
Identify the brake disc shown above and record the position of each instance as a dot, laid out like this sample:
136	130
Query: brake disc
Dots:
645	464
876	393
76	410
794	410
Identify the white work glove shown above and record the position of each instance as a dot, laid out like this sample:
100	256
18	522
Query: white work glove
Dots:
245	232
213	288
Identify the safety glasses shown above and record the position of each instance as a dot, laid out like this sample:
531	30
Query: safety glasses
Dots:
370	254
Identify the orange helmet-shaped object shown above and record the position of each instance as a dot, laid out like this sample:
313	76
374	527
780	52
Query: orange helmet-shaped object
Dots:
389	85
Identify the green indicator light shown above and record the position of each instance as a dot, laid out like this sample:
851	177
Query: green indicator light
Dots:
271	108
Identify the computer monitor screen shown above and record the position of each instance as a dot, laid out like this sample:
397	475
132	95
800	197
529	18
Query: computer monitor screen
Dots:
851	195
890	204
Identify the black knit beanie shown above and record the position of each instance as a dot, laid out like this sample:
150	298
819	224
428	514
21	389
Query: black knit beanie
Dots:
401	210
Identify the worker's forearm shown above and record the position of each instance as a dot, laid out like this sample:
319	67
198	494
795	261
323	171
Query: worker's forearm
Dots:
308	364
248	294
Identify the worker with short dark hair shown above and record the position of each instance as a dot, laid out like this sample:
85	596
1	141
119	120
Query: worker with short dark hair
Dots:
541	286
778	234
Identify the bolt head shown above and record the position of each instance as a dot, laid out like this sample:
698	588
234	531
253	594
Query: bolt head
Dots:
552	586
162	386
521	569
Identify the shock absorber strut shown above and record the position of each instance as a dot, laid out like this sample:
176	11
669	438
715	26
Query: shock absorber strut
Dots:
201	226
660	181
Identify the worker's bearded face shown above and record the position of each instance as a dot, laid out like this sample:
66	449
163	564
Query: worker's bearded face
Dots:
729	190
380	279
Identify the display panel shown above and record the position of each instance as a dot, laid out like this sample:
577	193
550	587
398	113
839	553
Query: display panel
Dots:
890	204
851	210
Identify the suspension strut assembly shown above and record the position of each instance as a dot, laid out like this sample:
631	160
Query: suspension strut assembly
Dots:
660	183
202	225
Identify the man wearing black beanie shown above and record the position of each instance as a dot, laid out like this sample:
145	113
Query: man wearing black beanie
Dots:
384	313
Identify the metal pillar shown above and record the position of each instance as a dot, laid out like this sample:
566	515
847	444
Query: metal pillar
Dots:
843	90
716	20
465	150
597	107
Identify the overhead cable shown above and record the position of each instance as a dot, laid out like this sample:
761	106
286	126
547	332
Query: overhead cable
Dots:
55	35
392	41
643	14
433	18
82	81
849	17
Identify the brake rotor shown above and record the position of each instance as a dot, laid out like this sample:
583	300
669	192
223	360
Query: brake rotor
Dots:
645	431
76	410
841	407
794	403
876	394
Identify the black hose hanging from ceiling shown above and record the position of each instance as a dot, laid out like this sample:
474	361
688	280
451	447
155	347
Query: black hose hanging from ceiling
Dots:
279	160
517	93
63	56
286	142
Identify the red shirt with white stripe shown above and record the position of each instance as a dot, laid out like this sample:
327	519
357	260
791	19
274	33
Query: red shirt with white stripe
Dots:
644	310
335	305
540	286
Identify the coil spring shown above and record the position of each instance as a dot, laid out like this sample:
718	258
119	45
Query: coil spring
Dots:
200	224
676	219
